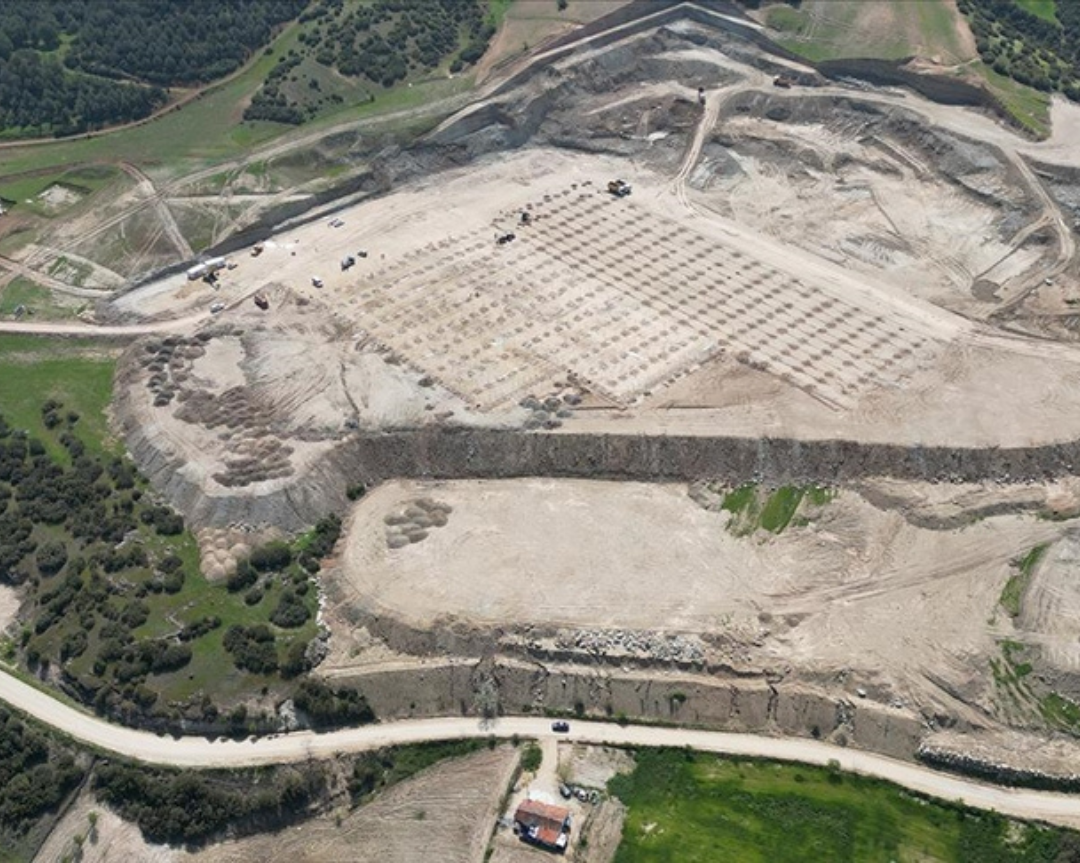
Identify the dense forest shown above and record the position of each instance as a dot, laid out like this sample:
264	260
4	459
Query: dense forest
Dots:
382	43
1036	51
67	66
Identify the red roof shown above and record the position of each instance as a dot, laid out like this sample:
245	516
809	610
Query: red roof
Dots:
534	813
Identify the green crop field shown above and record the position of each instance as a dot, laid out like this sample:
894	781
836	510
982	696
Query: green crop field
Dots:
697	808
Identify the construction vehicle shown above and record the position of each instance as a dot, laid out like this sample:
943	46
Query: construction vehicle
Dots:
503	239
783	82
361	254
619	188
347	262
257	250
316	281
261	301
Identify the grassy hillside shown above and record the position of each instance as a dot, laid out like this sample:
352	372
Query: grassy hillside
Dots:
932	30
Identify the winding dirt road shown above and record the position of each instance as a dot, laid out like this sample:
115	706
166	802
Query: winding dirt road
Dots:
1060	809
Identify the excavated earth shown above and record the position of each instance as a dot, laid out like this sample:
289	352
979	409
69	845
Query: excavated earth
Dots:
826	285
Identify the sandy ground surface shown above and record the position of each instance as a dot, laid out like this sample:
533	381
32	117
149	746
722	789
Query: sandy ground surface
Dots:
1051	605
189	752
856	587
639	299
446	812
112	840
9	606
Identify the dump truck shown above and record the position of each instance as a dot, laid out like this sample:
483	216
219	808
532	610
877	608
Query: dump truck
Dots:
261	301
619	188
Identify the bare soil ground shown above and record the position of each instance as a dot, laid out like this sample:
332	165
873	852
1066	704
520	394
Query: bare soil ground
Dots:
112	840
856	587
9	607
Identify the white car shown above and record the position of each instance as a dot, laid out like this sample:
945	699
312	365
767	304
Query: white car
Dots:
316	281
217	307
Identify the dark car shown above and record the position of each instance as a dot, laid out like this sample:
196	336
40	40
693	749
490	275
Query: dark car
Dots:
560	726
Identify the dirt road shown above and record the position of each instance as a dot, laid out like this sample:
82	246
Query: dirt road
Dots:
133	330
198	752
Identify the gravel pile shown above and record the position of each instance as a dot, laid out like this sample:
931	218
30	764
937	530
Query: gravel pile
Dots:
642	645
414	521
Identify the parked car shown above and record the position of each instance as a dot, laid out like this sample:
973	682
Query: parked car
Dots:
217	307
560	727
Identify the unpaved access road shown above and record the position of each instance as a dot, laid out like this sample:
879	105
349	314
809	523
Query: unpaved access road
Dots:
1059	809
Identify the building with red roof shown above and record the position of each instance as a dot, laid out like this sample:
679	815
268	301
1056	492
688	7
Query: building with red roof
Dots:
543	824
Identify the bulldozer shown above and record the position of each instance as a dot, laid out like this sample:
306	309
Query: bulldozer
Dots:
619	188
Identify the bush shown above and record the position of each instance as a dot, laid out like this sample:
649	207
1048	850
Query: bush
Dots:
531	758
252	648
271	557
296	661
291	611
327	707
51	558
356	491
243	577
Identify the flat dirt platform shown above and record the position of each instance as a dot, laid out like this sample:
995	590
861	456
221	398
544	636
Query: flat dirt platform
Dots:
846	585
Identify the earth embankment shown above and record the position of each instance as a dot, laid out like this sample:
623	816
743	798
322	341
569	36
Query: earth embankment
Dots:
496	454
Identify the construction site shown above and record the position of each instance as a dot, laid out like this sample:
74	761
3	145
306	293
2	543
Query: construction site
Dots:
579	342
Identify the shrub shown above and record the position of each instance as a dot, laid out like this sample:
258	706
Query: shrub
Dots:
271	557
51	558
291	611
327	707
243	577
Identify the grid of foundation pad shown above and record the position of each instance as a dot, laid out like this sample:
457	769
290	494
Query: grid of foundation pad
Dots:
627	300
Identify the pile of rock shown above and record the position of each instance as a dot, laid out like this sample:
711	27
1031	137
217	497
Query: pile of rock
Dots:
414	521
651	646
550	411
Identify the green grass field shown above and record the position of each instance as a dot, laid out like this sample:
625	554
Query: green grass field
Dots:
1045	9
38	300
685	807
76	372
836	29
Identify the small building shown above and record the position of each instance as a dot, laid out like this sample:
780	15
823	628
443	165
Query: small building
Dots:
543	825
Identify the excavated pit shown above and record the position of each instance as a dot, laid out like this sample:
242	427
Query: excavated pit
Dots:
805	288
